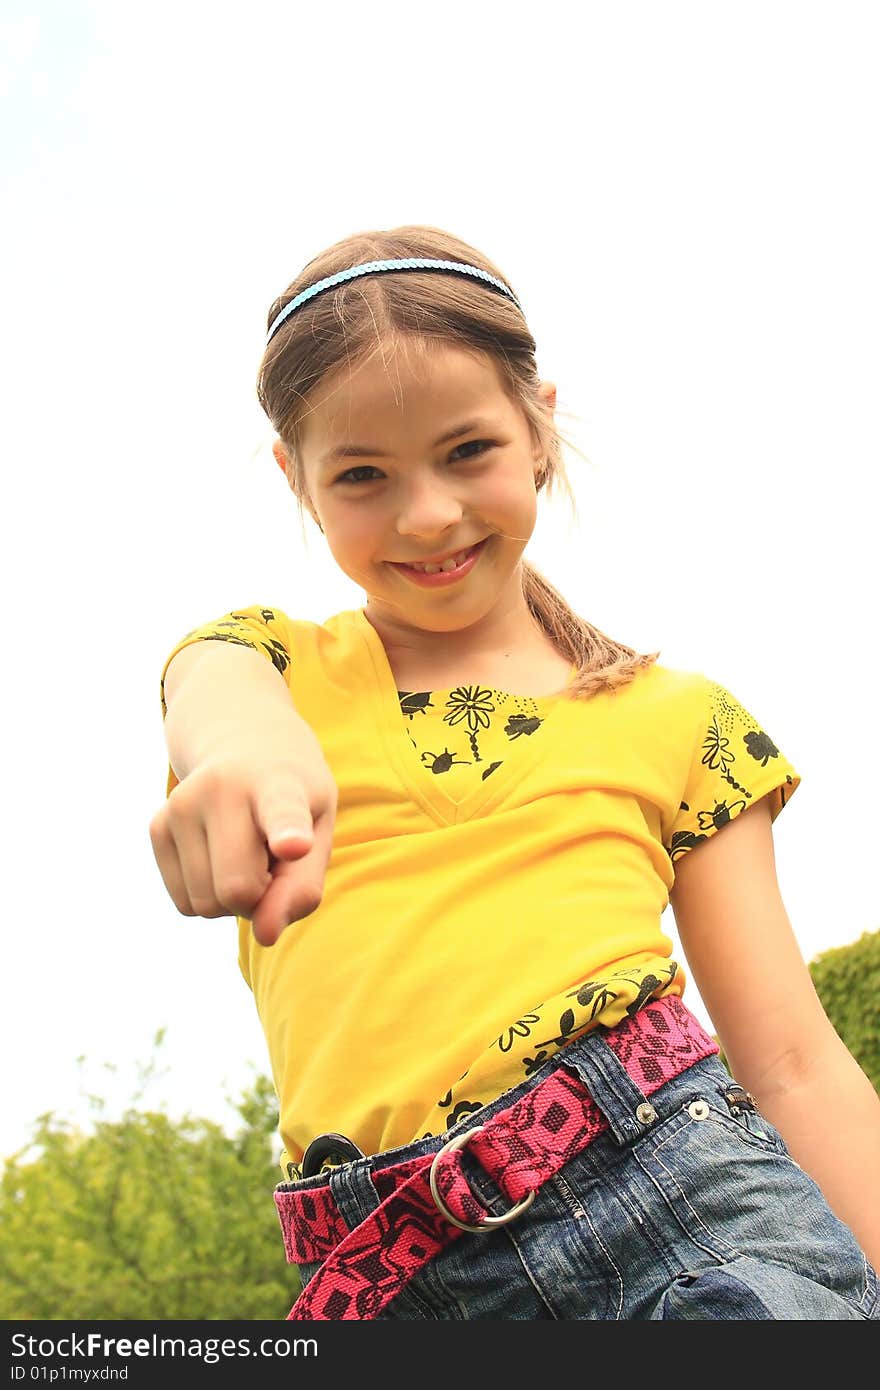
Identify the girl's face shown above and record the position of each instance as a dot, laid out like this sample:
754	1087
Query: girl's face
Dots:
407	463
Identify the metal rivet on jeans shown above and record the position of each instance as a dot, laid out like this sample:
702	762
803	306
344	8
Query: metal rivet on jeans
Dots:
646	1114
698	1110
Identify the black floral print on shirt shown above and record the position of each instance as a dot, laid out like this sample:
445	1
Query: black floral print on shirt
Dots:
734	747
238	630
474	705
471	712
630	989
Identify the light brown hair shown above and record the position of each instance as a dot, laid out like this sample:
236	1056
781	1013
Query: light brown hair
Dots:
383	313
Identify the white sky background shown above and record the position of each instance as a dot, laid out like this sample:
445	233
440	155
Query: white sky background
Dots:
686	199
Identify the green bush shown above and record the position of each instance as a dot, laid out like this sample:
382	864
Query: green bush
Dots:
146	1218
847	980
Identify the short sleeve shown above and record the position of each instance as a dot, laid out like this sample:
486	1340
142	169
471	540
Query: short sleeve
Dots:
734	764
266	630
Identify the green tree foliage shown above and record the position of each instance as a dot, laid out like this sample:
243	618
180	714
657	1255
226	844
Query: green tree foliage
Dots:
847	980
146	1218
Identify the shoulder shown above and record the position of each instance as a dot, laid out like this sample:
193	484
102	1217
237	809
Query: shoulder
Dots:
266	629
723	730
666	690
663	708
260	621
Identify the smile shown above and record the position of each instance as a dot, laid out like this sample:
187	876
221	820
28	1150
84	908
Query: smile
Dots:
448	572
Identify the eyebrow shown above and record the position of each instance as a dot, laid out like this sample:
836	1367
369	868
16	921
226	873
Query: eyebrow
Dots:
342	451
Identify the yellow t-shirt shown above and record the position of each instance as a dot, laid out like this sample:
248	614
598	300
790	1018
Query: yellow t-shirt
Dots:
499	868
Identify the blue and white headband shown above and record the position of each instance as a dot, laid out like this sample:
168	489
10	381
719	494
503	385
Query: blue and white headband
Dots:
374	268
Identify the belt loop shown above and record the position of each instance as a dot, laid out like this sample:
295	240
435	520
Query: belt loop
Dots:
626	1108
354	1192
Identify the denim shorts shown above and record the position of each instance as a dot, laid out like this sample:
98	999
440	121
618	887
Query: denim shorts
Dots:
703	1215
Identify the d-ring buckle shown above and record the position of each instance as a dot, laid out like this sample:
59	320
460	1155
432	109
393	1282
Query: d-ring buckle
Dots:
490	1221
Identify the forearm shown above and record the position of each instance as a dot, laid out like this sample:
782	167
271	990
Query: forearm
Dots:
216	689
829	1116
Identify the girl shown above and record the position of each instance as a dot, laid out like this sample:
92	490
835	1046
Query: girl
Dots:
448	823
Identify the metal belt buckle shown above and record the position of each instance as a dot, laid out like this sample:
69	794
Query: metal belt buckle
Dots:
490	1222
328	1146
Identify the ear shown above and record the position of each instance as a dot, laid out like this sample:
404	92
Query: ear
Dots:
280	456
281	459
547	399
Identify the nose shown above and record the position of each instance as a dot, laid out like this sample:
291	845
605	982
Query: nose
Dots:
427	508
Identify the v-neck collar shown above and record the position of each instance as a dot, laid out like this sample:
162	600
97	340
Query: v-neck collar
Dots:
391	727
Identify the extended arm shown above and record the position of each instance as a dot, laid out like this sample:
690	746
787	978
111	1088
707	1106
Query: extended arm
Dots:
780	1045
248	830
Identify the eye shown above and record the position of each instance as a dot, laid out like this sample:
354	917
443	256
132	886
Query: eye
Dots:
481	444
349	475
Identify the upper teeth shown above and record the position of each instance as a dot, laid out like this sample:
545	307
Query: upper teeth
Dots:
451	564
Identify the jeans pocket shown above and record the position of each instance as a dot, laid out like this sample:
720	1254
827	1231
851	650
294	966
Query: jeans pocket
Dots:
738	1109
745	1289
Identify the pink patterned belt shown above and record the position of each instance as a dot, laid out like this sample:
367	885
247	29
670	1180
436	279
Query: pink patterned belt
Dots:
426	1202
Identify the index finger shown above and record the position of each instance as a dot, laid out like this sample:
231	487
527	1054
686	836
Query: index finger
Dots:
297	886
